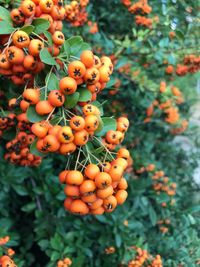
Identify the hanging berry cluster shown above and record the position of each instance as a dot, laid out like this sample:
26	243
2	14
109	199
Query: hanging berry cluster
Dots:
76	12
5	259
61	114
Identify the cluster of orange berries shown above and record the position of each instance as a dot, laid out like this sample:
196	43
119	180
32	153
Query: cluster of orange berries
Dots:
20	54
110	250
93	27
18	150
141	9
164	225
97	189
64	263
76	12
191	64
65	139
162	184
6	122
167	100
5	260
143	258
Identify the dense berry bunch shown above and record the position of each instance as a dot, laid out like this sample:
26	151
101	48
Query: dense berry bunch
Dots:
143	258
141	9
5	260
96	188
76	12
66	262
166	105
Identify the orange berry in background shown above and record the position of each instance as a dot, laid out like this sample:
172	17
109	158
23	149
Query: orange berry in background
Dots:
66	149
62	176
98	211
121	196
15	55
87	58
56	99
112	137
35	47
51	143
54	50
46	5
43	107
72	191
65	135
81	138
32	96
123	184
74	178
67	203
68	85
103	180
39	129
106	192
87	187
91	171
116	172
58	38
76	69
24	105
77	123
21	39
28	8
110	203
79	207
123	153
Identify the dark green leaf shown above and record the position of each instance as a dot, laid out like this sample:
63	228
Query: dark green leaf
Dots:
52	81
28	29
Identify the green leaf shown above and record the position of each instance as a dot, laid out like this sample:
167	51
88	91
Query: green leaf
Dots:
52	81
152	215
46	57
29	207
5	14
41	25
48	35
71	100
6	27
34	150
28	29
109	124
118	240
21	190
55	256
85	95
101	125
66	48
110	83
33	116
10	134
